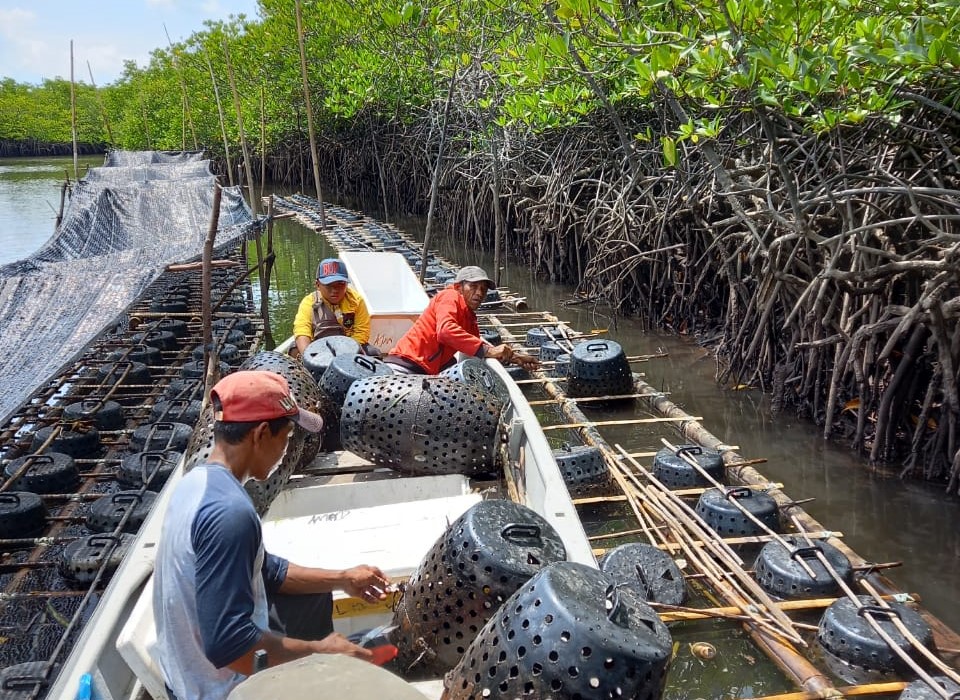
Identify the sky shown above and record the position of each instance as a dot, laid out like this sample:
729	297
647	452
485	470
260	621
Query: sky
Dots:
35	34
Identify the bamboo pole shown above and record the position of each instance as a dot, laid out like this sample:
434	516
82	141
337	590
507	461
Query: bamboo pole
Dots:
266	267
63	198
248	168
630	421
306	97
223	127
263	144
210	359
499	227
103	109
188	118
73	116
435	179
591	399
848	691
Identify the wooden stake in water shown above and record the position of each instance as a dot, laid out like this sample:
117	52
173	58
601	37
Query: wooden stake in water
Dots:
103	110
73	115
309	105
248	169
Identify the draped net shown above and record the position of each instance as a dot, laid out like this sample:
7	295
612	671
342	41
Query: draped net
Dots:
125	222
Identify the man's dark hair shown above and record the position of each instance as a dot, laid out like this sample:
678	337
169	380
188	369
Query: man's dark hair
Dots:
234	433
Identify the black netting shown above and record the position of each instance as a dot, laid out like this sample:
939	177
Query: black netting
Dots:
125	222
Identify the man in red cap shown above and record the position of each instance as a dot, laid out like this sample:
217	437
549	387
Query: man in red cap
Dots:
215	588
449	325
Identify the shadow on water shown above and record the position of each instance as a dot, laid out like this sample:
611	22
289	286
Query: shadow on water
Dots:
884	519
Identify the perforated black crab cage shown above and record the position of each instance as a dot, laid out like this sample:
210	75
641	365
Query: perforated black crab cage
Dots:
718	508
646	570
422	425
845	633
344	370
781	572
919	690
599	368
477	373
568	633
539	335
320	353
479	562
340	374
582	467
670	467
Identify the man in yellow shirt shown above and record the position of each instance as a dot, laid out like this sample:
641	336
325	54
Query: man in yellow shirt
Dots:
333	309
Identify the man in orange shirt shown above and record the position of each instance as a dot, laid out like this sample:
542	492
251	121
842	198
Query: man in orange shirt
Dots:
449	325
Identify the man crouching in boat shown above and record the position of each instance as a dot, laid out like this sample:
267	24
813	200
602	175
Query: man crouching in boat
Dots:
449	325
218	596
333	309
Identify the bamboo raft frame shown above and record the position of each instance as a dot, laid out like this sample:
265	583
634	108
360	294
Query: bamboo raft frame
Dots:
779	648
663	518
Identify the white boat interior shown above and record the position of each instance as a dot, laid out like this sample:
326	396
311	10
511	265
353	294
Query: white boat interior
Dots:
340	511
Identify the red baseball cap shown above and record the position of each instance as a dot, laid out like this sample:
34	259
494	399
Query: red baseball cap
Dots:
252	396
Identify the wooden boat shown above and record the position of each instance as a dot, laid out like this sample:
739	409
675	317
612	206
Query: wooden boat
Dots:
355	509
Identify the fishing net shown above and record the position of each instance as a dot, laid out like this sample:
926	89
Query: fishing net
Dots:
125	222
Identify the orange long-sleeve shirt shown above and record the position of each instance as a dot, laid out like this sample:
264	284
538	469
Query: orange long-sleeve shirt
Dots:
447	326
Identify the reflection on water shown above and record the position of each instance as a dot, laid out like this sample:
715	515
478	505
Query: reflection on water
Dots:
30	199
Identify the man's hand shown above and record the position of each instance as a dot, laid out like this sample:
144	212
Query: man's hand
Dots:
336	643
366	582
528	362
501	352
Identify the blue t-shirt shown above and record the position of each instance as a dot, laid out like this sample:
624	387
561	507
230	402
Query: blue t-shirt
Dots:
210	583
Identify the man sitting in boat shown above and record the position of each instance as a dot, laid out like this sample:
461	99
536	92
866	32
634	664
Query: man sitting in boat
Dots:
333	309
218	596
449	325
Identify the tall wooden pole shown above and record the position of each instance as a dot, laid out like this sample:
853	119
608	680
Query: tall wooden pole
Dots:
254	204
223	127
263	142
435	180
73	116
306	97
183	91
183	124
146	124
211	360
498	223
103	110
266	270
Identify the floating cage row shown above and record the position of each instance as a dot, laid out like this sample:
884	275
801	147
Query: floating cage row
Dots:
83	460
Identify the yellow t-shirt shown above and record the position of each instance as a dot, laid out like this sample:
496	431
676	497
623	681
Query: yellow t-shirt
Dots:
351	312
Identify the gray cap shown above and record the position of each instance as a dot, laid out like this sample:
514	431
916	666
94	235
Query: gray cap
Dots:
472	273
